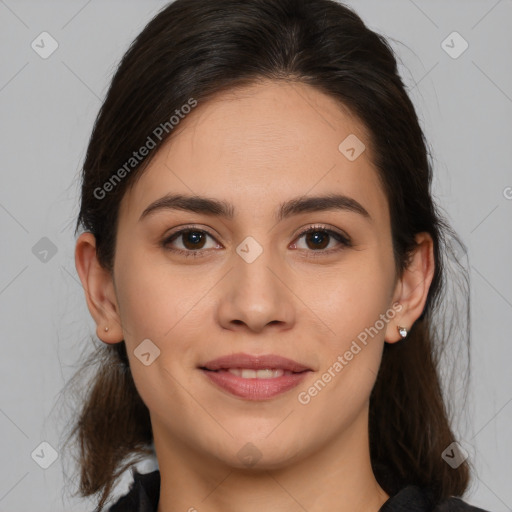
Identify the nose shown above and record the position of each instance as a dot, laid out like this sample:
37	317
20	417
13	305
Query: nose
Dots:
257	295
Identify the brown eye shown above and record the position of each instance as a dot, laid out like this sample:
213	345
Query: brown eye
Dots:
189	242
317	239
193	239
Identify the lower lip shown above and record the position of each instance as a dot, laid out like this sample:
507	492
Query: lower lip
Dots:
254	389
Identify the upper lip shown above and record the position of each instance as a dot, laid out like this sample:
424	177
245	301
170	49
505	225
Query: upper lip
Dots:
252	362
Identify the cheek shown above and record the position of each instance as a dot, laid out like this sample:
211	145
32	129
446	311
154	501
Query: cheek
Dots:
163	304
153	297
354	303
155	304
351	297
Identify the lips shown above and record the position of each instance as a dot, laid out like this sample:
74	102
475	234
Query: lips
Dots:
254	377
249	362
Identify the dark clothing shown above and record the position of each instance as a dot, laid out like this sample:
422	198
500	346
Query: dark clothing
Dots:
144	494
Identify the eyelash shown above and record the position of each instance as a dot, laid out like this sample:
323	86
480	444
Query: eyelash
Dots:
339	237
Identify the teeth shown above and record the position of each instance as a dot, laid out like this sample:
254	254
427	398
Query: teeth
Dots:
258	374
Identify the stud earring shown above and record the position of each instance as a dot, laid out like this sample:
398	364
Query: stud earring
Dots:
106	329
402	331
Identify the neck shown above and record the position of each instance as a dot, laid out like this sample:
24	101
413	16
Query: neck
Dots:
334	478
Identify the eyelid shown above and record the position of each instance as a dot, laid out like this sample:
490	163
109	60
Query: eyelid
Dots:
342	238
177	232
187	227
323	227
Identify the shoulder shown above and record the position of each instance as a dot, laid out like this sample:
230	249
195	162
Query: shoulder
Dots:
416	499
143	494
457	504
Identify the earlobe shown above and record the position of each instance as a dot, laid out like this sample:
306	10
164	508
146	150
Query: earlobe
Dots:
99	290
402	331
412	288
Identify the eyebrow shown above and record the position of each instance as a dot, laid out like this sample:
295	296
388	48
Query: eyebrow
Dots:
215	207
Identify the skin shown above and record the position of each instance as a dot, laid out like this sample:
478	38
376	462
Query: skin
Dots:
256	148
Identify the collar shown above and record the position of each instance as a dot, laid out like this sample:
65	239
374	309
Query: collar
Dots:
144	495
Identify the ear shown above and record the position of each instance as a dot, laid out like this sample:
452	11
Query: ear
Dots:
99	290
412	288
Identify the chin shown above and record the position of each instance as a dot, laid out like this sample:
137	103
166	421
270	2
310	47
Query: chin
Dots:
258	453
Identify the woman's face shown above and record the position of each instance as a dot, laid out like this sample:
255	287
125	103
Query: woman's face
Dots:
244	281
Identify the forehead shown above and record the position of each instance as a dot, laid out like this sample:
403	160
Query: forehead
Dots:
256	146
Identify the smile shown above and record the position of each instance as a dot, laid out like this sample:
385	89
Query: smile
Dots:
246	373
254	377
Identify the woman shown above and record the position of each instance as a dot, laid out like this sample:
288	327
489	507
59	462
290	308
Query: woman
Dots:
264	261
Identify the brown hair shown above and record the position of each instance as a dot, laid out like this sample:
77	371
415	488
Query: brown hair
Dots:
197	49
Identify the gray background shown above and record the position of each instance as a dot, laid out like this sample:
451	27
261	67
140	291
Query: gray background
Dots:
47	108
